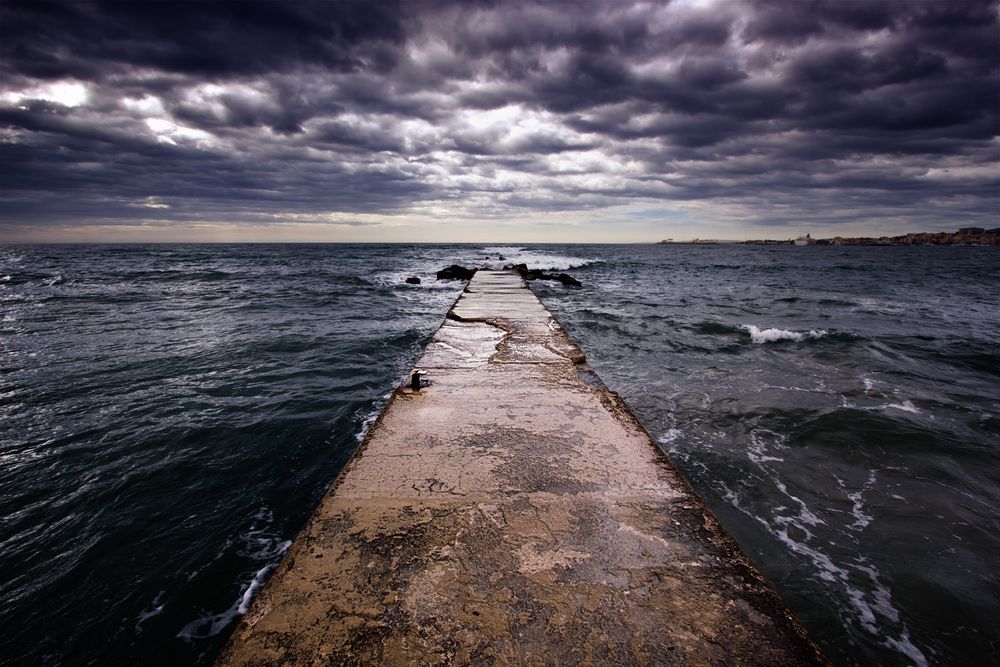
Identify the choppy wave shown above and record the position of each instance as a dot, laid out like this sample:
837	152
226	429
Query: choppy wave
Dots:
852	420
202	382
160	396
904	406
758	335
761	336
869	605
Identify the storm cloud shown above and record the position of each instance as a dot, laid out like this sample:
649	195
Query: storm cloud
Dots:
758	116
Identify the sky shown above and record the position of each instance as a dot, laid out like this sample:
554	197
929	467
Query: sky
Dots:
496	121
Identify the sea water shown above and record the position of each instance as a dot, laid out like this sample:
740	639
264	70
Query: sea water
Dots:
170	415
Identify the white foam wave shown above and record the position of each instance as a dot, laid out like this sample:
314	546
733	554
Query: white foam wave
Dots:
880	307
534	259
805	514
257	545
257	582
762	441
368	418
213	624
907	648
905	406
758	335
861	518
872	610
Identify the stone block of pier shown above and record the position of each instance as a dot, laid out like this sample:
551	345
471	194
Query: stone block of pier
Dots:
513	511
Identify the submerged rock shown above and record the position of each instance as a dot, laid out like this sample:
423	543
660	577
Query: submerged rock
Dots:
567	279
413	280
455	272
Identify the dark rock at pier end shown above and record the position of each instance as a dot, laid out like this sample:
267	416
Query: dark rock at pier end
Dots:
455	272
536	274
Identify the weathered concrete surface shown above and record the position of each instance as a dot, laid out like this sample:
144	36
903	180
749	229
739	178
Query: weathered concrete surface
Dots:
513	512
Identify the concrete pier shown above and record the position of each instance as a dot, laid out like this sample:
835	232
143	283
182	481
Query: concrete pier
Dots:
513	512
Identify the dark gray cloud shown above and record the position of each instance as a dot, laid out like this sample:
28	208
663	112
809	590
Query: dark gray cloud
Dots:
764	112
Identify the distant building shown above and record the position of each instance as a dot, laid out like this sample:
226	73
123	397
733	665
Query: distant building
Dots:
966	236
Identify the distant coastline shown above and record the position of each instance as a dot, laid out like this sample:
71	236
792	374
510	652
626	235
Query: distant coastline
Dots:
966	236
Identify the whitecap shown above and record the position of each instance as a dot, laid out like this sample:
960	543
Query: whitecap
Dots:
880	307
905	646
758	335
905	406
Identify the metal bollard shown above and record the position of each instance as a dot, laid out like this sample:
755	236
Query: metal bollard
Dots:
416	379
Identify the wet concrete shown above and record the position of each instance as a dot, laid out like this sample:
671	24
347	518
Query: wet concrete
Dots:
513	512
